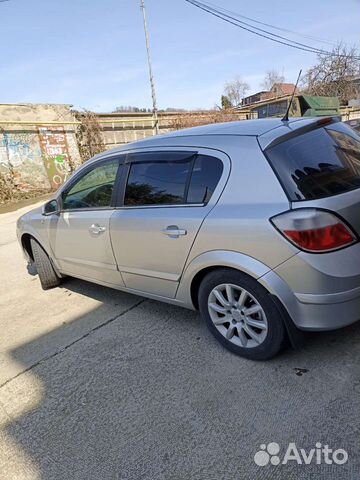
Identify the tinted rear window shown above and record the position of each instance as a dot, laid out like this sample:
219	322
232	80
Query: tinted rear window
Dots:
318	164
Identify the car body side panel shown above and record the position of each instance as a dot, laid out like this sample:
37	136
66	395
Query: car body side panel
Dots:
240	220
319	274
145	254
148	258
37	226
218	258
78	252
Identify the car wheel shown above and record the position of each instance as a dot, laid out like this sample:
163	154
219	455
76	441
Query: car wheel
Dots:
240	313
45	270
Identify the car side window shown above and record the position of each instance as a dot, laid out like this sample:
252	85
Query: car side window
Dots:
159	178
172	178
94	189
205	176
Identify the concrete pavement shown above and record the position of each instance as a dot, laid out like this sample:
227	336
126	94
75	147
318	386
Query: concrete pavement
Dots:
98	384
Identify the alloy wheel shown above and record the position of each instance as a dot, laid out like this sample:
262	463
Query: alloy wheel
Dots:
237	315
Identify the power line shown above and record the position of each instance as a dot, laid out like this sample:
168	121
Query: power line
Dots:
235	22
317	50
263	33
281	29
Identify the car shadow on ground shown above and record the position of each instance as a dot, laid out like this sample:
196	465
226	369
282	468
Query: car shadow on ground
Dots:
95	291
146	392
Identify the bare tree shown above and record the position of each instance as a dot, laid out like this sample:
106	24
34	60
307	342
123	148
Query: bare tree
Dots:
332	74
196	119
89	135
271	77
236	90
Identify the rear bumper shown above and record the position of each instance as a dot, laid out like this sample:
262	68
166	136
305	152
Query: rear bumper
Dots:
328	315
329	298
316	312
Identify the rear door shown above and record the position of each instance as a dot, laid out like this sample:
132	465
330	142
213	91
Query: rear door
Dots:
80	234
166	196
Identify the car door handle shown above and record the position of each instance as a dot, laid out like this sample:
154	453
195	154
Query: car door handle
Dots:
174	231
96	229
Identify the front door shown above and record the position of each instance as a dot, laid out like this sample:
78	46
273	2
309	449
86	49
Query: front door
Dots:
80	237
167	196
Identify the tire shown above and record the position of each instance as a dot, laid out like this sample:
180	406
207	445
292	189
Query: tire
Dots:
45	270
241	314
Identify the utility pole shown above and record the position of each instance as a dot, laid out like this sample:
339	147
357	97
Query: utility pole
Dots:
152	83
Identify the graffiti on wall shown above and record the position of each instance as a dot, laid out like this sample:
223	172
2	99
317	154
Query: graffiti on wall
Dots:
4	159
56	155
17	148
20	153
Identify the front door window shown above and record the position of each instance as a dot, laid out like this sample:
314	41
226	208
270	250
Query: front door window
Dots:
94	189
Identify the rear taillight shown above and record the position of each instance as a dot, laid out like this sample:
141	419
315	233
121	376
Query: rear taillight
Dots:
314	230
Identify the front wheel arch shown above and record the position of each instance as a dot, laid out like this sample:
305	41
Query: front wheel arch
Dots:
26	245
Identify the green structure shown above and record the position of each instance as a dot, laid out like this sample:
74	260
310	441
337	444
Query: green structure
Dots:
302	106
311	106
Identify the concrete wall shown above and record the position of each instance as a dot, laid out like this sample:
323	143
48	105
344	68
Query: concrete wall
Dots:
121	128
37	144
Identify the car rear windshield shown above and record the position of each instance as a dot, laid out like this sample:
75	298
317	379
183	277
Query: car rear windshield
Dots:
319	163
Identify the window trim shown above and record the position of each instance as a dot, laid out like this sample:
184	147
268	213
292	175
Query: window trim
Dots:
120	159
167	205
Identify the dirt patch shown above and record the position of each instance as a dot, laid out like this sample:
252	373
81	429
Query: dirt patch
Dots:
23	199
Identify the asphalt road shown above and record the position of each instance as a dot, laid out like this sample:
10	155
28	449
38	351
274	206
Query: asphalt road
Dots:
98	384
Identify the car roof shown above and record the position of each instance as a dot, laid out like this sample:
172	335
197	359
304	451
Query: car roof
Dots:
269	128
241	127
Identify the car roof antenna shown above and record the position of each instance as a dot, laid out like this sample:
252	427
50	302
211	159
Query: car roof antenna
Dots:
286	116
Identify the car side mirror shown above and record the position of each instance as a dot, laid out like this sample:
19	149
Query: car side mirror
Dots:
50	207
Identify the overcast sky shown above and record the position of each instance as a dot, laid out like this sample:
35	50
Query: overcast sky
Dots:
91	53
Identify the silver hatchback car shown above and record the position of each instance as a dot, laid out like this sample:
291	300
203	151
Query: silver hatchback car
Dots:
254	223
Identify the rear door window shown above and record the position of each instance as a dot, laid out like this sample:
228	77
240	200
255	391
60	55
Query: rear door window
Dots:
158	179
171	178
319	163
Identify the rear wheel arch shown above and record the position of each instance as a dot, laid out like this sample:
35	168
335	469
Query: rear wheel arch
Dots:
199	277
294	335
208	261
249	325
